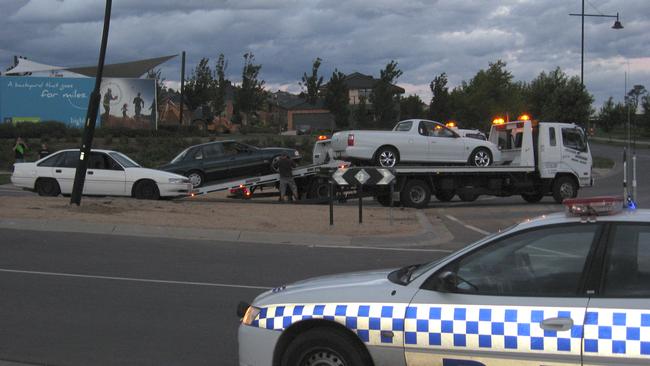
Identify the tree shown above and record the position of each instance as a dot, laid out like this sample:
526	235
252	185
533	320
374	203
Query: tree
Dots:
384	97
611	115
221	83
362	115
489	93
251	94
645	117
634	96
557	97
311	84
200	87
337	99
161	89
411	107
439	107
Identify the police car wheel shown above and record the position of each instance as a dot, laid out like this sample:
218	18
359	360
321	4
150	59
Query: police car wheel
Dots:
325	347
147	190
563	188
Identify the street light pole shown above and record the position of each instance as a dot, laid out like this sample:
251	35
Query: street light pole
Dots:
582	15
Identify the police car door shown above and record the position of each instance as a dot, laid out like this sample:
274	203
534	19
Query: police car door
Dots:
515	300
617	325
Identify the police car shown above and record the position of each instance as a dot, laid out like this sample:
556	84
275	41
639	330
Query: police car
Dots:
564	289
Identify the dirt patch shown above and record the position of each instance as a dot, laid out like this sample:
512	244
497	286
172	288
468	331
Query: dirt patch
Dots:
264	217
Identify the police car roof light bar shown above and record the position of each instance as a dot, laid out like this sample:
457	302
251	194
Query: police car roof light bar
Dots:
594	206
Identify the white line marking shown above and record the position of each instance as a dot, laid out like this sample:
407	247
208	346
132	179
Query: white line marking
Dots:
376	248
474	228
74	275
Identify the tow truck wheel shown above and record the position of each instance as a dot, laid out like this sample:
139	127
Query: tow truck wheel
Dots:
319	190
416	193
445	196
325	347
467	196
563	188
384	200
532	197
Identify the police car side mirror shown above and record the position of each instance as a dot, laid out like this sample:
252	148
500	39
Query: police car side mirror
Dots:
447	281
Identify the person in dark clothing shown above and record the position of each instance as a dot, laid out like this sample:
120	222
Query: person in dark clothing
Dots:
20	148
139	103
108	97
285	168
44	151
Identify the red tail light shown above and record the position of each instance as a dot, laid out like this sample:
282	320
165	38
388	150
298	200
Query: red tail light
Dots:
350	140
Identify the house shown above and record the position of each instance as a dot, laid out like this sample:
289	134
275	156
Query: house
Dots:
361	86
296	114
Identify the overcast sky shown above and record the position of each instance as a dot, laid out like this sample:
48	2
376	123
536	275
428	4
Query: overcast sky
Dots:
426	37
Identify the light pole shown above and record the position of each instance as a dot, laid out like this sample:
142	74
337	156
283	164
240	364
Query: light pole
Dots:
617	25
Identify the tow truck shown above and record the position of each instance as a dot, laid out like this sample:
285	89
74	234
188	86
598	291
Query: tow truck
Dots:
538	159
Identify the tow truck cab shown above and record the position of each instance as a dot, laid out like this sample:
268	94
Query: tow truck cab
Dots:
554	148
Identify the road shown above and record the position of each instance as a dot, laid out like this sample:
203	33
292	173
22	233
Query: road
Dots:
79	299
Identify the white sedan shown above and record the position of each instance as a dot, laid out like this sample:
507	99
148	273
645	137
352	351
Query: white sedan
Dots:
414	141
110	173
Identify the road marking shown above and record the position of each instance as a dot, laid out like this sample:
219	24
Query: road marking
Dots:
74	275
474	228
375	248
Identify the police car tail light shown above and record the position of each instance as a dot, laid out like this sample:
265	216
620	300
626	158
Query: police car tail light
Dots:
593	206
251	313
351	139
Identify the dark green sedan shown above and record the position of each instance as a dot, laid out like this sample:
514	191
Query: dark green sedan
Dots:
222	160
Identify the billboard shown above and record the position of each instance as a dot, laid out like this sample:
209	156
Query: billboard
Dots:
127	103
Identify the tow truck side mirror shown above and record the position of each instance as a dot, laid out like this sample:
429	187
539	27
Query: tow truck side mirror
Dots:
447	281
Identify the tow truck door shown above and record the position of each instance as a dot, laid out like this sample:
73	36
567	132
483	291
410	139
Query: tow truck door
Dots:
576	157
518	302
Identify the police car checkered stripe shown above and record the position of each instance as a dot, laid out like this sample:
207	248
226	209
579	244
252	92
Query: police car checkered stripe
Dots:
617	332
477	327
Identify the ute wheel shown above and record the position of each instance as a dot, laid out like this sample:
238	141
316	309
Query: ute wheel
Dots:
416	193
386	157
325	347
196	178
384	200
48	187
275	164
467	196
147	190
445	196
480	157
532	197
563	188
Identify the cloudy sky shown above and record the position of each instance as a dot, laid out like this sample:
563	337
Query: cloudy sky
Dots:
426	37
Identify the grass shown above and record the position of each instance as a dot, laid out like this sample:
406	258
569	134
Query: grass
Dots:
603	163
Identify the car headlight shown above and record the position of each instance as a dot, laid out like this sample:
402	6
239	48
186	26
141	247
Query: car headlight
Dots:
296	153
251	313
178	180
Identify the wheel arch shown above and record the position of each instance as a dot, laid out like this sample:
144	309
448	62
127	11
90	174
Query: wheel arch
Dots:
135	184
302	326
399	155
570	175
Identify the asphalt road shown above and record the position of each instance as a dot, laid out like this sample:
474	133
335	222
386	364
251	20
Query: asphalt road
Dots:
79	299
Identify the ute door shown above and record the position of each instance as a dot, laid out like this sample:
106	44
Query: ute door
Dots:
516	300
105	176
414	147
617	324
444	144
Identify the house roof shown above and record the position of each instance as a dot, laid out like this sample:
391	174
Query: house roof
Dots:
357	80
294	102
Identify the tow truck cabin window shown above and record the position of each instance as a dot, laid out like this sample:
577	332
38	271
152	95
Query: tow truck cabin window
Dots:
543	262
574	139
